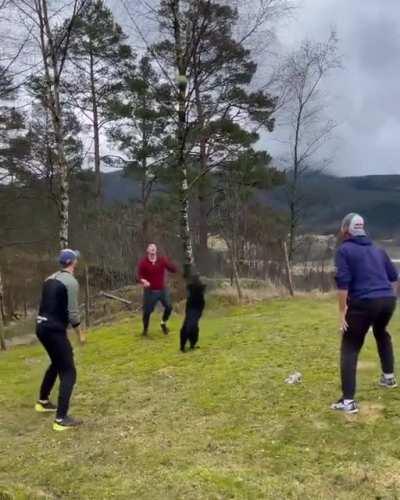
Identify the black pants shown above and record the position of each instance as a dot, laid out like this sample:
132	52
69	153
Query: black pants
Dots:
59	349
361	315
190	328
150	299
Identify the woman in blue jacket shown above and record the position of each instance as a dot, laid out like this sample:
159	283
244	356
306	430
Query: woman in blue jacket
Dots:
367	289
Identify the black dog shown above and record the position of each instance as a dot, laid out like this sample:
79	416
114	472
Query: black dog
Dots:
195	304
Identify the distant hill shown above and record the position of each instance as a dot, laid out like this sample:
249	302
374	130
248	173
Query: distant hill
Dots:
326	198
119	187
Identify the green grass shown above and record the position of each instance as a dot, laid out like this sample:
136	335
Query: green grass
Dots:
20	328
218	423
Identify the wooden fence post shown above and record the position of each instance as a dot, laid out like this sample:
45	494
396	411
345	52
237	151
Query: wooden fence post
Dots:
3	346
2	311
87	298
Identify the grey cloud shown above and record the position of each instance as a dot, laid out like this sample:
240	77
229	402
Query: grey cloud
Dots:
365	99
364	95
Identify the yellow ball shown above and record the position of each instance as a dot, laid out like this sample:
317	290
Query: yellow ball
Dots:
181	80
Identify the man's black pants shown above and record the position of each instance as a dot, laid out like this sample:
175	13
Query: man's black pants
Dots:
150	299
62	364
361	315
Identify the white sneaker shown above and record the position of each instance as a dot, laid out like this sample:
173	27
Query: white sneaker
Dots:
350	407
389	382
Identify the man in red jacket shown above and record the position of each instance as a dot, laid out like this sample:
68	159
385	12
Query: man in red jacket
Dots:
151	274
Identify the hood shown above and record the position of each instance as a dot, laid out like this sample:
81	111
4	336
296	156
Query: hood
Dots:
359	240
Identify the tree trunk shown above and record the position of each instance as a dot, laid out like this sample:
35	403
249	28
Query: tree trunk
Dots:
147	182
3	317
294	188
203	224
87	298
292	227
235	272
237	279
202	187
184	221
96	134
145	227
3	346
52	76
188	259
64	205
288	269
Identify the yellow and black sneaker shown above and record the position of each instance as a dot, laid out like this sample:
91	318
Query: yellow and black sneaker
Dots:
45	407
63	424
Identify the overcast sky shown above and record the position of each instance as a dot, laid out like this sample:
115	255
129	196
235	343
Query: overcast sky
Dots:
366	92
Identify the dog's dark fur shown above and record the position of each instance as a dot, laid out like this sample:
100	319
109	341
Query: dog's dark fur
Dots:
195	304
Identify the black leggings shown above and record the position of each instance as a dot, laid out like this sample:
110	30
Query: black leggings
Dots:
361	315
62	364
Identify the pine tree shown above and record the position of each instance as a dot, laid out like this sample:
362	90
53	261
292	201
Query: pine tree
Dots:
141	129
222	73
53	44
13	146
216	101
99	57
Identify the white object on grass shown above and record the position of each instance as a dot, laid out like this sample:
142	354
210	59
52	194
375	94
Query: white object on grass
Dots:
294	378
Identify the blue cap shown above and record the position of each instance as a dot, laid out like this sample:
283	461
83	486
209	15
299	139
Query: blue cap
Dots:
68	256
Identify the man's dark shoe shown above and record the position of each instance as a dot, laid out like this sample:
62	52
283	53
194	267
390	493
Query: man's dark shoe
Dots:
164	328
63	424
144	333
45	407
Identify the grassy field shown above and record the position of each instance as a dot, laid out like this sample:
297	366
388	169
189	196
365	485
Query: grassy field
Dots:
218	423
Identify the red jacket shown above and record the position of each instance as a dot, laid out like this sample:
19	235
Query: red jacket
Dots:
155	272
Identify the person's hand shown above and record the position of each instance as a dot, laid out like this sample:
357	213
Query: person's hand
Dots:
343	322
145	283
82	337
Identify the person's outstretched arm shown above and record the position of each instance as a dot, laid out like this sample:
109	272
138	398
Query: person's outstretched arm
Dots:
172	268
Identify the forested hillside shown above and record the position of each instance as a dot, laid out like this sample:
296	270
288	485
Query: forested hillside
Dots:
326	200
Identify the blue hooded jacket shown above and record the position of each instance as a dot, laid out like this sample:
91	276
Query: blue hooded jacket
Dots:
365	270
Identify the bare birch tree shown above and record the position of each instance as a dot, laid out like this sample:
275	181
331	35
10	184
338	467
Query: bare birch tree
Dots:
53	43
301	79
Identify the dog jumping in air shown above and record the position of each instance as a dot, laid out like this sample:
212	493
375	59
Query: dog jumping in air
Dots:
195	304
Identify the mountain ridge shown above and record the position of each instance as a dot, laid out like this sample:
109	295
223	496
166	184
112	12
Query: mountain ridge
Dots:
326	200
